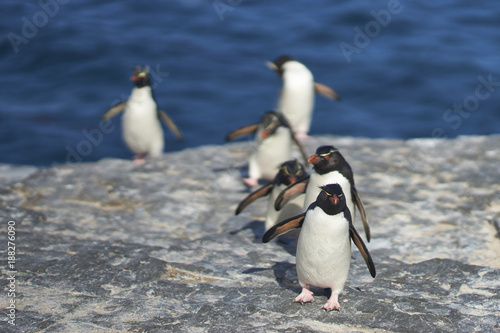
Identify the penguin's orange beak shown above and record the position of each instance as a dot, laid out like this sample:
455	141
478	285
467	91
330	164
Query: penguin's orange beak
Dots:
133	78
265	133
334	200
313	159
292	179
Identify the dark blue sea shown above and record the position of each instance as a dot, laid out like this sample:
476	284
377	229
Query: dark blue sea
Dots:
403	69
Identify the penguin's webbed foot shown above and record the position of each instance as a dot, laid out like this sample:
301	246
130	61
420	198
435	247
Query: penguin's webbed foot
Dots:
332	303
251	181
302	136
305	296
139	159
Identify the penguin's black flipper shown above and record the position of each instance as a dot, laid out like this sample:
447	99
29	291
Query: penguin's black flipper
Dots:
114	111
245	130
291	192
261	192
173	127
326	91
362	249
284	226
361	209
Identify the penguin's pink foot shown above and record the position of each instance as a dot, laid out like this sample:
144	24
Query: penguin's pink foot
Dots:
302	136
332	303
305	296
251	181
139	159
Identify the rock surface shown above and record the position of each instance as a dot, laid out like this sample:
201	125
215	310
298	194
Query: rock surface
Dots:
110	246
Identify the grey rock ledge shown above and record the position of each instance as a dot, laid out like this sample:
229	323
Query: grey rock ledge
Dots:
110	246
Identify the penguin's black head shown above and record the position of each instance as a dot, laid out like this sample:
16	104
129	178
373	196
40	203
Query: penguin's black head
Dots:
280	61
331	199
141	76
326	159
271	121
290	172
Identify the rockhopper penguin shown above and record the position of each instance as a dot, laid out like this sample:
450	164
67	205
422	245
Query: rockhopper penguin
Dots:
296	99
289	172
274	146
324	245
142	131
329	166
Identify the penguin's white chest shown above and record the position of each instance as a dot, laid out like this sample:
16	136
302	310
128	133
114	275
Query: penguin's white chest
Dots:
270	153
292	207
142	130
297	96
324	250
317	180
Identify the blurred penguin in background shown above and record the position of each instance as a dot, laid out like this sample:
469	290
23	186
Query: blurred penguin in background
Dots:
274	146
296	99
142	131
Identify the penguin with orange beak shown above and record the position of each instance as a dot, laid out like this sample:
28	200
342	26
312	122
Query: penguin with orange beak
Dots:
289	173
297	93
329	167
142	130
274	146
324	245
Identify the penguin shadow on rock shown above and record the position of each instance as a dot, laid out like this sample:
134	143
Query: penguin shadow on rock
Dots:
274	139
141	127
289	172
257	228
285	274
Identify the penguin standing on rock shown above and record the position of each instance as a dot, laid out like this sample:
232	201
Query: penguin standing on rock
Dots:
289	172
329	166
324	245
274	146
142	131
297	93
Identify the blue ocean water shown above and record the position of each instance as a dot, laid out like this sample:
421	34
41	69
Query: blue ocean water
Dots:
403	69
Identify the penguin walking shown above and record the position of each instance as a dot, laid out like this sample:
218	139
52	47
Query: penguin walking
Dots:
329	166
296	99
289	172
274	146
142	131
324	245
